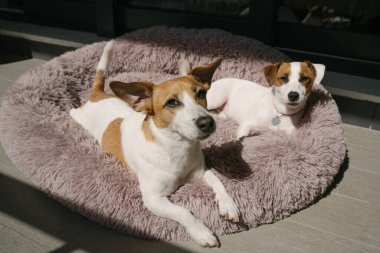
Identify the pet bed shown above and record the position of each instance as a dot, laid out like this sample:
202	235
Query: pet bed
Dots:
269	176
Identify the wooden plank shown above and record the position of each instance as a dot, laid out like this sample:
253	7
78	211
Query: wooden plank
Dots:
12	241
360	184
30	231
364	158
360	136
286	236
344	216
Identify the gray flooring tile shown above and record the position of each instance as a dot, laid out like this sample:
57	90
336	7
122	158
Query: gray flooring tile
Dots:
12	71
360	184
364	158
349	218
12	241
355	112
288	236
360	136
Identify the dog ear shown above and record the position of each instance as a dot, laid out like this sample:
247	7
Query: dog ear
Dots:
137	94
204	74
270	72
320	69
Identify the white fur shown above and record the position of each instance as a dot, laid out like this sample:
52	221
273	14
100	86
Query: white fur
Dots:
172	159
183	67
184	121
253	106
105	58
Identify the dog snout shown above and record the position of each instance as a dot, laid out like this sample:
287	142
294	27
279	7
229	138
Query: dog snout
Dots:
293	96
206	124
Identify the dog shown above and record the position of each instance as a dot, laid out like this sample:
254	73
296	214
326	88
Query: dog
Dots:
277	107
156	131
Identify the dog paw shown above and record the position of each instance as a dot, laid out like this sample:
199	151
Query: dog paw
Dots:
203	236
228	209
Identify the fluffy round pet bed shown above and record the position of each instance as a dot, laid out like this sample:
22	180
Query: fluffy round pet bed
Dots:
269	176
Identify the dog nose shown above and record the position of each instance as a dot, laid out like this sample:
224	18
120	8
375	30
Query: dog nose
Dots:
206	124
293	96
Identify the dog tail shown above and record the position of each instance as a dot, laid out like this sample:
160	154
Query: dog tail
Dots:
101	70
183	67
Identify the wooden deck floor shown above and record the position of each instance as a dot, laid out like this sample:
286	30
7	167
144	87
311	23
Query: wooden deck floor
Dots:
347	220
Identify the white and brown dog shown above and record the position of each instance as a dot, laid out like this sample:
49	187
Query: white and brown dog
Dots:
156	131
255	107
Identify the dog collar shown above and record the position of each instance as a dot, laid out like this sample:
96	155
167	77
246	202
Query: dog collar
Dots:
276	119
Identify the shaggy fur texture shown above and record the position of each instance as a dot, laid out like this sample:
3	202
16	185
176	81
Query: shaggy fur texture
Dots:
269	176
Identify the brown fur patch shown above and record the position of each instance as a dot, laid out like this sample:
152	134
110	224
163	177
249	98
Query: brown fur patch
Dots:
283	71
204	74
111	140
270	72
307	70
98	93
136	94
146	129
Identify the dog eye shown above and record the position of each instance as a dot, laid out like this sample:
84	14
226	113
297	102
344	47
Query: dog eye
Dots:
284	79
201	94
172	102
304	79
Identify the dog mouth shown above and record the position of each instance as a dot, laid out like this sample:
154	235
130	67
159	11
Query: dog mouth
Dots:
295	104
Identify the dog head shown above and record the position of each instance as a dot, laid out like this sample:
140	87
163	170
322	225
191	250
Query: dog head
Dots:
293	81
178	104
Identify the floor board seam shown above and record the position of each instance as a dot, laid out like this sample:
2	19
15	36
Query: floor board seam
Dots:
352	198
332	233
369	171
26	236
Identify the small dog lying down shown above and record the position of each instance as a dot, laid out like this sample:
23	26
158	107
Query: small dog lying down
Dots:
278	107
155	130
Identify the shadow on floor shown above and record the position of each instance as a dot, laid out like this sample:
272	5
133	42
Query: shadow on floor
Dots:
35	208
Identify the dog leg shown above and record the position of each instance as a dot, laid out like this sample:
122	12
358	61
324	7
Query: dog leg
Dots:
162	207
227	207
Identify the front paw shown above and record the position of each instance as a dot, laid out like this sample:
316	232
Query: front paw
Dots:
203	235
228	209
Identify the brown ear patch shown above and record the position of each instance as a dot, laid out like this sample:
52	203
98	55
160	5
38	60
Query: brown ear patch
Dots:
137	94
307	70
204	74
283	71
111	140
270	72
